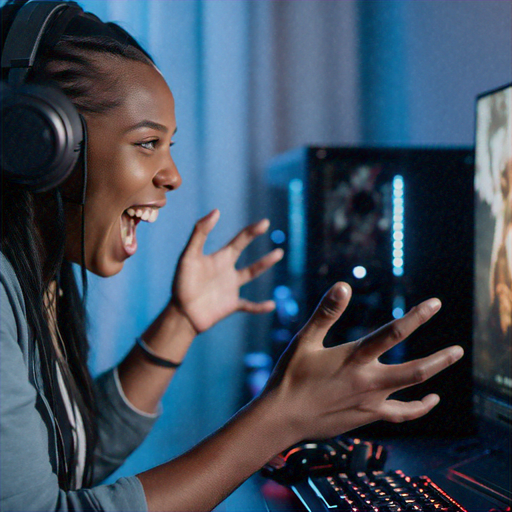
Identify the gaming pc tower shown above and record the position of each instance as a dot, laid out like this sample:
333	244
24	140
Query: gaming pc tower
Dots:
397	225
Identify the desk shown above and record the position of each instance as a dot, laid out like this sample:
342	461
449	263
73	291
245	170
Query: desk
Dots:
433	457
415	457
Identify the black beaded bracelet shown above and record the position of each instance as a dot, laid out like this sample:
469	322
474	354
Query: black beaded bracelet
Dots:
151	356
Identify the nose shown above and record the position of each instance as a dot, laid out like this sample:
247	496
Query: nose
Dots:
168	176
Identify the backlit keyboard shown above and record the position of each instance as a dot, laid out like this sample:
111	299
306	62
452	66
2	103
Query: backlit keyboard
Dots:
376	491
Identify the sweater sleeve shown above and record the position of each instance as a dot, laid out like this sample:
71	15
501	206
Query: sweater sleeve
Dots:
28	482
122	428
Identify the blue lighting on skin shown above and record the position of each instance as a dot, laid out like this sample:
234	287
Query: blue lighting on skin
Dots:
359	272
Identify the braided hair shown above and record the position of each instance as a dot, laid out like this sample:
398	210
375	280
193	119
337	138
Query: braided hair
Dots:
32	234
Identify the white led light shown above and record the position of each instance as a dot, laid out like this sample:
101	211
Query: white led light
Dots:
359	272
398	228
398	262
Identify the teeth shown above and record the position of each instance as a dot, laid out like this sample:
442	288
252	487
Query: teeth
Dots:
153	216
145	214
125	237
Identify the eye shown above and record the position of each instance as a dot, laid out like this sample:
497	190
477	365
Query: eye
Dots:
148	144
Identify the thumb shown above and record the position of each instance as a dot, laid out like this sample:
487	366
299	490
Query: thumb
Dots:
331	307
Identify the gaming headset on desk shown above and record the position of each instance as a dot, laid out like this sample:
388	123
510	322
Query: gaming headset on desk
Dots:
42	132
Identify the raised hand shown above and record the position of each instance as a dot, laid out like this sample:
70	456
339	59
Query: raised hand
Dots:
328	391
206	287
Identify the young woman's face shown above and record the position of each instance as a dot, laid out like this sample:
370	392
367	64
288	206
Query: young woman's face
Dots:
130	169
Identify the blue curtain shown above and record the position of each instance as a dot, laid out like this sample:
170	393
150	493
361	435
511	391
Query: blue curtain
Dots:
201	48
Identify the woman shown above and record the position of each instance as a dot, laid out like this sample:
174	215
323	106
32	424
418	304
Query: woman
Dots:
62	434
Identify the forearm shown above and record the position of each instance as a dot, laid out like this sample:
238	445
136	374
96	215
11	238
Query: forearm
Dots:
143	382
207	474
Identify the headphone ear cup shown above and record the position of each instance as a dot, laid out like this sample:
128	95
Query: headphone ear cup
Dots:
41	136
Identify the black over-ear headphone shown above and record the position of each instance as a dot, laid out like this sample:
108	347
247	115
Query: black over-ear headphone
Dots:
42	132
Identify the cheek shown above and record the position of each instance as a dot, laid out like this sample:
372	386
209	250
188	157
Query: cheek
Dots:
114	180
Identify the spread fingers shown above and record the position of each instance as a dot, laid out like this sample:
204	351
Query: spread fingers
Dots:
395	411
247	235
252	271
418	371
374	345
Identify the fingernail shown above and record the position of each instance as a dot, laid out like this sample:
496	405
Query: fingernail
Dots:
457	352
338	291
279	253
265	223
434	305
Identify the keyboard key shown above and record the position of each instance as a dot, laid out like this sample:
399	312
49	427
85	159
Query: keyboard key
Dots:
325	490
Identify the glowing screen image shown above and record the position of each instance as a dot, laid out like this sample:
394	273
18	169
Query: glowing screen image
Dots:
493	242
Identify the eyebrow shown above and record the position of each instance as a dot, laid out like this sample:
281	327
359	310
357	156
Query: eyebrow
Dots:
149	124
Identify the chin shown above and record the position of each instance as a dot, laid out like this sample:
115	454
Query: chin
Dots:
106	268
103	268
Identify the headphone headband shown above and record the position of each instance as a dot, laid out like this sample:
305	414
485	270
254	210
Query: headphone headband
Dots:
26	33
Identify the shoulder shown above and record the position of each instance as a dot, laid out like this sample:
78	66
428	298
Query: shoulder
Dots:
13	323
10	284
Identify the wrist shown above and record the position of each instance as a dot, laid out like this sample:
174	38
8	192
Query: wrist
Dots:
281	427
170	335
174	311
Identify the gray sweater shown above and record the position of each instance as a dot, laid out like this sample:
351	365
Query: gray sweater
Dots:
27	437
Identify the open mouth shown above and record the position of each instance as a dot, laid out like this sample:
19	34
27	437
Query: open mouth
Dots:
129	221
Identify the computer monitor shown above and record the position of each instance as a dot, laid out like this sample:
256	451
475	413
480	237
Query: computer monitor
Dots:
492	333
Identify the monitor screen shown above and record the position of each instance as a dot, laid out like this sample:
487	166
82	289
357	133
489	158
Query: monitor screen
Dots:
492	334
